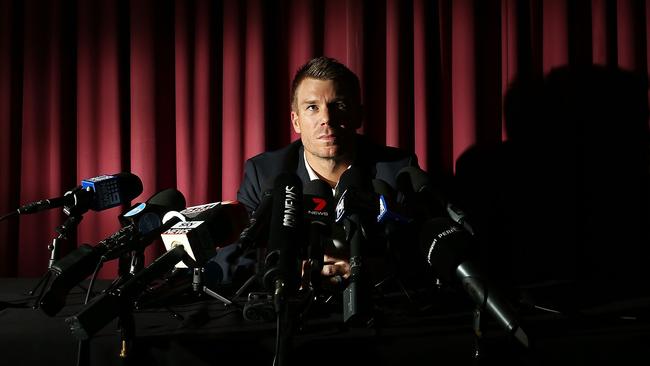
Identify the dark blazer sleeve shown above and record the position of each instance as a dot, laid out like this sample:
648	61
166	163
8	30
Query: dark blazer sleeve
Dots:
261	170
250	189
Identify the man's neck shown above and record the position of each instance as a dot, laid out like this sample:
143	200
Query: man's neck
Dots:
329	170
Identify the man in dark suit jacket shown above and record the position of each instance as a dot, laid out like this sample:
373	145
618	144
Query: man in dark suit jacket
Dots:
379	162
326	111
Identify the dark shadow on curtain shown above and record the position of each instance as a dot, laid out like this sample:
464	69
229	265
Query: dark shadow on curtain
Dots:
566	198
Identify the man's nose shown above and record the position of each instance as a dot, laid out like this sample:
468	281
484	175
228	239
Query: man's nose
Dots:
325	115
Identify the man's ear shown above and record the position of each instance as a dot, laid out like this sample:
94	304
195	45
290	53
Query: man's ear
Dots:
294	122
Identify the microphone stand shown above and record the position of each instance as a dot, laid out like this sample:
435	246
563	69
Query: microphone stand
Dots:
478	336
75	216
198	286
126	324
283	337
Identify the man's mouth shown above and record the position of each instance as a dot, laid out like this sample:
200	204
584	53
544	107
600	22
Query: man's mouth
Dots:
328	137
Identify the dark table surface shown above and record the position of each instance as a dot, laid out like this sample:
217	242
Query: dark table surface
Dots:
202	331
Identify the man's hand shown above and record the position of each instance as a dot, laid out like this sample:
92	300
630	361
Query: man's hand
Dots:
333	275
335	270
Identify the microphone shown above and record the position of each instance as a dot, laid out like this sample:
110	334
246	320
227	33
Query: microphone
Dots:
147	223
97	194
318	217
147	215
391	214
427	200
390	211
210	225
448	249
112	303
352	208
282	262
258	223
83	261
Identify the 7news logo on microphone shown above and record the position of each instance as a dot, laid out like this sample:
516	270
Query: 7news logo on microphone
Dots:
317	206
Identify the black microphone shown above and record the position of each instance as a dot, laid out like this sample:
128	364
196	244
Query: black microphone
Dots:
390	211
448	248
147	223
282	263
318	199
82	262
209	226
355	204
112	303
391	215
257	227
418	194
427	198
147	216
97	194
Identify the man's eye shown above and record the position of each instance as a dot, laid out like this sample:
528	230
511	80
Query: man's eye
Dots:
312	107
341	106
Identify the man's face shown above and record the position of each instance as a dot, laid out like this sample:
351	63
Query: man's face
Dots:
326	118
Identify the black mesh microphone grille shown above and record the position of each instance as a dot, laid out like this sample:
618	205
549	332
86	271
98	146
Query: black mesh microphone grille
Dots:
353	178
318	188
169	198
417	177
383	188
130	185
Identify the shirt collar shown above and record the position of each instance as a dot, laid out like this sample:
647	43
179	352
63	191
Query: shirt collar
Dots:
312	173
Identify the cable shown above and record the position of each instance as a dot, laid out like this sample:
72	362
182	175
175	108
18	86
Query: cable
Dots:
92	280
278	333
12	213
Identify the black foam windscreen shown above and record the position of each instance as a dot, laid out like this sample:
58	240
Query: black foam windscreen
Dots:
418	178
130	185
170	198
383	188
446	245
317	187
225	221
148	216
420	193
353	178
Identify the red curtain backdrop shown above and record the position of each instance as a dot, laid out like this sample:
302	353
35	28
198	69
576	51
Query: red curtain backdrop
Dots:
182	92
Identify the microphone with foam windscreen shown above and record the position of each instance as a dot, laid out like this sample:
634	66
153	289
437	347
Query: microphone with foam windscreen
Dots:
97	194
401	233
356	207
207	227
390	211
258	223
391	214
147	216
418	194
318	219
283	261
256	229
449	249
428	200
137	234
